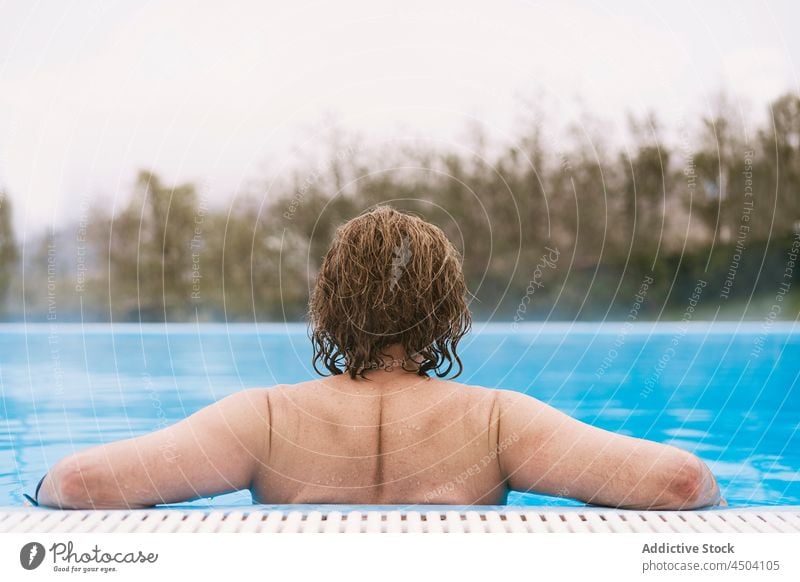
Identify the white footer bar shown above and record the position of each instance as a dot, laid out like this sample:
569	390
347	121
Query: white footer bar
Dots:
387	557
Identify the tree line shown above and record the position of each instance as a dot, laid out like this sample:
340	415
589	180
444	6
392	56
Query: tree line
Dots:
721	205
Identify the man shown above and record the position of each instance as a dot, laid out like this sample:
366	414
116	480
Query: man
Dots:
383	426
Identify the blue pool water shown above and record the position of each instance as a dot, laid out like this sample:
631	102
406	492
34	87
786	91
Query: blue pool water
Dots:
728	392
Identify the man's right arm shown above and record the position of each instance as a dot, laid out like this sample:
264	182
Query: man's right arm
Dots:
552	453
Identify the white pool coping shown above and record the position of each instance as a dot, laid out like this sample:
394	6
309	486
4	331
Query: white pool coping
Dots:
396	519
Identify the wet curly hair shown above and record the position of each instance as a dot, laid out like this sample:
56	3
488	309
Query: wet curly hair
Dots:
388	278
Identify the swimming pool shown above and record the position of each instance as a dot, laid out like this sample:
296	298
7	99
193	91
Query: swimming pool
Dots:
727	392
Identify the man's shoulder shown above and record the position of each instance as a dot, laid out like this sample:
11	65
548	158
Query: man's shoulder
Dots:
504	402
268	390
474	396
478	391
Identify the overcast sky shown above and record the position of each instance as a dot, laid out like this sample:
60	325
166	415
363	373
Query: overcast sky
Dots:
225	92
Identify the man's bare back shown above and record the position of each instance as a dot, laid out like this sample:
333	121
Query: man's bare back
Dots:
389	439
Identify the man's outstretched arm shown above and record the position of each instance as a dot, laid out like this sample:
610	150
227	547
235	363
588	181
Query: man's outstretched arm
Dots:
214	451
552	453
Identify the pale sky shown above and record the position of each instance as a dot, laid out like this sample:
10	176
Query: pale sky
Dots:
224	93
